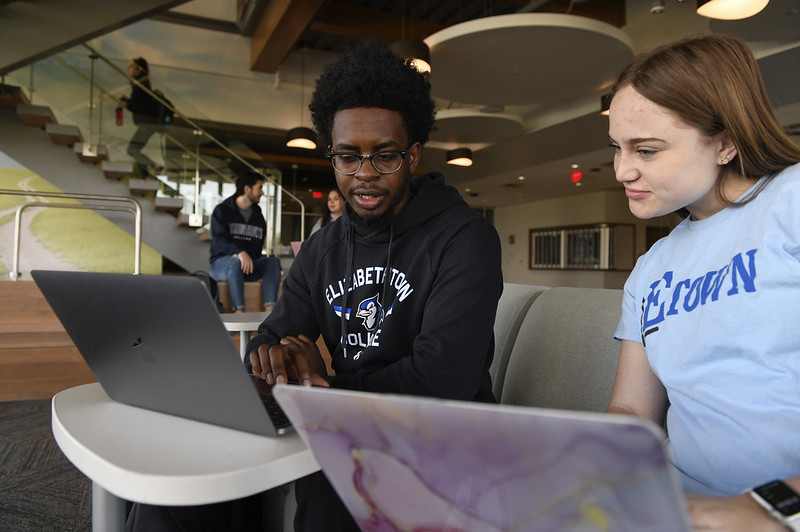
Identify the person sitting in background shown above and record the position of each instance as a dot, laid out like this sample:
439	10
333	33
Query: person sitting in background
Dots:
708	341
145	116
333	209
238	231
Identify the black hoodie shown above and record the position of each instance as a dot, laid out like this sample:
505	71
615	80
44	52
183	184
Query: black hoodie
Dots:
420	298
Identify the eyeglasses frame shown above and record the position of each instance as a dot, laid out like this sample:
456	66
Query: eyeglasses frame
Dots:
403	154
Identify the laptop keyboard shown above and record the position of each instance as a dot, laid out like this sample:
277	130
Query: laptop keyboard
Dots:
279	419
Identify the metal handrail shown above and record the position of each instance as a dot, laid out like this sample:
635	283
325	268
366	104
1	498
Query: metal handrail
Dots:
136	210
198	128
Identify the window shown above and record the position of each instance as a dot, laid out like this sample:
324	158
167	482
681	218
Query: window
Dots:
586	247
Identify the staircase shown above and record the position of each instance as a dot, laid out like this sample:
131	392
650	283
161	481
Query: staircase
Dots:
37	357
47	156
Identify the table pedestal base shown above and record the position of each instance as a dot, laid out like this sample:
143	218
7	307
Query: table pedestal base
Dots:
108	511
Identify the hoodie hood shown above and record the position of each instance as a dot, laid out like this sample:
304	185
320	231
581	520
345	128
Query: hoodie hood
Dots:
429	197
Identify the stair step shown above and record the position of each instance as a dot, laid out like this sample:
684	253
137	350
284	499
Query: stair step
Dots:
42	361
42	387
19	304
11	96
27	316
20	289
90	153
183	220
64	134
141	187
35	115
171	205
117	169
44	355
30	339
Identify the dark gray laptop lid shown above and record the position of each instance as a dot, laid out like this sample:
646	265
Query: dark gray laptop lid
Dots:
157	342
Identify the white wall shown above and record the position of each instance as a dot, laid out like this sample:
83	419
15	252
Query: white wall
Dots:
516	221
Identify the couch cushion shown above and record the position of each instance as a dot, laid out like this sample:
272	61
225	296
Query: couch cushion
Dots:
511	309
565	355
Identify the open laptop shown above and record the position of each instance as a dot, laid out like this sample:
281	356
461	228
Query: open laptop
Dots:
404	463
158	342
295	246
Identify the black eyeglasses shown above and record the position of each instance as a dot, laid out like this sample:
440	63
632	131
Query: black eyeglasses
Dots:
384	161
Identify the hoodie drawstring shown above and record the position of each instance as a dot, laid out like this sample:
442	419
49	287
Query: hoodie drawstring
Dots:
347	276
348	280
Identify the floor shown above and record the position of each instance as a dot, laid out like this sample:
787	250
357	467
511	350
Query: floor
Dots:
40	491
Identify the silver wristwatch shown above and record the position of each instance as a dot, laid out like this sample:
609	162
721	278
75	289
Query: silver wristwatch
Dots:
781	501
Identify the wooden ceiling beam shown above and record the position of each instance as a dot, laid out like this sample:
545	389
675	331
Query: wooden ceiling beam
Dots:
358	22
278	29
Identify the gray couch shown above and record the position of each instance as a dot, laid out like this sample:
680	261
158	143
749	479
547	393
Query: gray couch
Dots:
555	347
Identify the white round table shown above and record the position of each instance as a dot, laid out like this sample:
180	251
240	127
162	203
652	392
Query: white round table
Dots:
243	323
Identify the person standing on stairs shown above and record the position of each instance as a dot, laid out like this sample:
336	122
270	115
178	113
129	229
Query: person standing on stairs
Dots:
145	116
238	230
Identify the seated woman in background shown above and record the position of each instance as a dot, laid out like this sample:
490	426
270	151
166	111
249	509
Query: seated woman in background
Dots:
333	209
710	344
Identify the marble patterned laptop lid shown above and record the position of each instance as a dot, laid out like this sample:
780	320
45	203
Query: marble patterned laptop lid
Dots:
415	464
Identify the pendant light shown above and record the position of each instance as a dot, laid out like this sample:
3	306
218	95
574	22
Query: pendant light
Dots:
460	157
416	51
730	9
302	137
413	50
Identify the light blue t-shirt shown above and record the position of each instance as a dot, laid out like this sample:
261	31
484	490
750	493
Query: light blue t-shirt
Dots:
717	306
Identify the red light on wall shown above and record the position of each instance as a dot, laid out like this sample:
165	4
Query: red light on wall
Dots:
576	177
317	194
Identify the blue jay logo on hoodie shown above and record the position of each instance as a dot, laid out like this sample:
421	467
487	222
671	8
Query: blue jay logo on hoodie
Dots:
371	313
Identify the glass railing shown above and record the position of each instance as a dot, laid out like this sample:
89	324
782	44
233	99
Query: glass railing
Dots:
82	87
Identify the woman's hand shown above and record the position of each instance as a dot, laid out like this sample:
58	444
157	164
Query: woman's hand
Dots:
739	513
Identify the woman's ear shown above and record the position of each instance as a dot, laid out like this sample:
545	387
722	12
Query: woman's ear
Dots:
727	151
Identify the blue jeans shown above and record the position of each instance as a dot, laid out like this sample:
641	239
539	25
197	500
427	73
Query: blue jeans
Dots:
229	270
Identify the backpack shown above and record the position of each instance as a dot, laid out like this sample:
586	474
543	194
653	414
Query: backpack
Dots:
211	285
164	113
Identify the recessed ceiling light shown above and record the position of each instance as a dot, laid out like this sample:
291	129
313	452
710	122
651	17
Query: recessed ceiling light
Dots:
575	165
521	178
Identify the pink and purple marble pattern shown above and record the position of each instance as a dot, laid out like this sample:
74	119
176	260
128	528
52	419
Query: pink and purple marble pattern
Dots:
419	465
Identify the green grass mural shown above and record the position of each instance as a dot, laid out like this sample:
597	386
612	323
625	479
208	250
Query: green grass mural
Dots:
82	238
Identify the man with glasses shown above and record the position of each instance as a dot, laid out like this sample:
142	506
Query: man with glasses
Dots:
404	287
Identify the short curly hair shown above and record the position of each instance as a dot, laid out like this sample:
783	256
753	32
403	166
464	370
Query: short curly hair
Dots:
371	75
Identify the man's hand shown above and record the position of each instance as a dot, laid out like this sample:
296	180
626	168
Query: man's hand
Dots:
295	358
246	262
732	514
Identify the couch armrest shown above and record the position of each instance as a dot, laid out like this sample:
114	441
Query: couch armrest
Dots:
511	310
